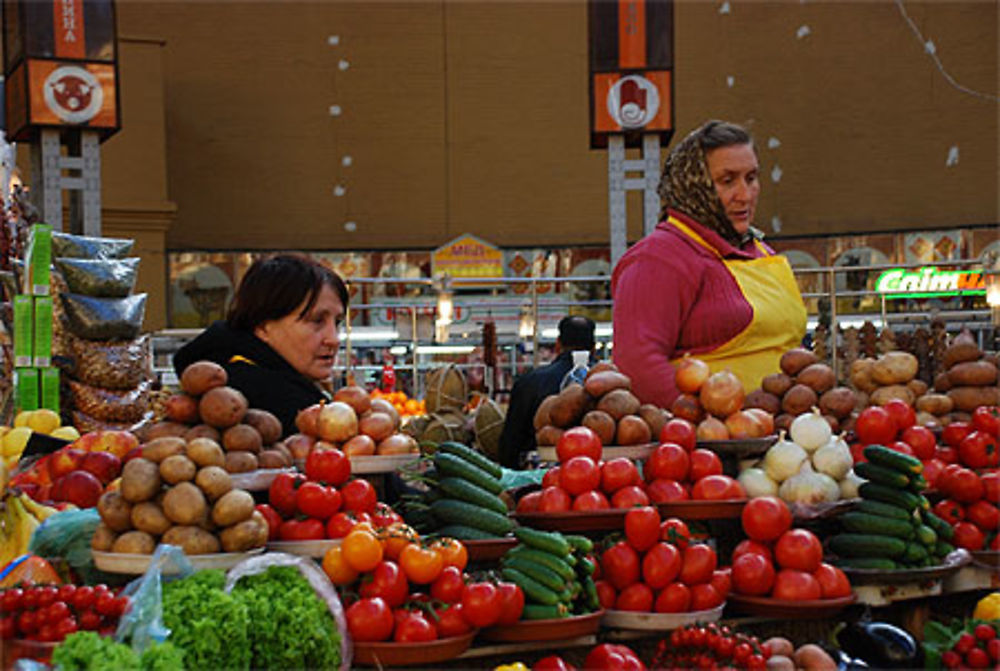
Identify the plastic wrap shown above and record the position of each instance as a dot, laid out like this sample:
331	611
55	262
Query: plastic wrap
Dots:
112	364
111	405
84	247
84	423
143	622
67	534
104	278
320	583
105	318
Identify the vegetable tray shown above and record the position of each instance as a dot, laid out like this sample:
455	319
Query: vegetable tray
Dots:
954	561
545	630
316	549
389	653
626	619
136	564
489	550
386	463
548	452
739	448
988	559
802	610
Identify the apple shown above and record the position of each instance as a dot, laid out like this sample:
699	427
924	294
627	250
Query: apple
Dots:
80	488
104	465
65	460
134	453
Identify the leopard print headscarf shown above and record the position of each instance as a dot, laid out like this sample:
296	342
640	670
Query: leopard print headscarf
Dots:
687	186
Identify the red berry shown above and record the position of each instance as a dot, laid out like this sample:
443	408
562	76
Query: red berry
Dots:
993	648
984	632
951	659
965	643
977	658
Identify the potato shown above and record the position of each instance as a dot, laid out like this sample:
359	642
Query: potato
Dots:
928	420
115	511
206	452
942	382
599	384
794	360
764	400
201	376
177	468
600	367
214	481
222	407
135	543
972	374
777	384
935	404
140	480
548	435
103	538
203	431
164	430
817	376
184	504
963	348
602	424
242	438
542	417
894	368
780	663
861	375
159	449
839	402
918	387
655	416
883	395
193	540
780	646
235	506
632	430
783	422
570	405
799	399
240	462
262	528
149	517
968	399
618	403
273	459
813	658
242	536
181	408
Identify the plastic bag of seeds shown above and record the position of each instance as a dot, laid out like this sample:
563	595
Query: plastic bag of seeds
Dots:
112	364
105	318
68	245
110	405
104	278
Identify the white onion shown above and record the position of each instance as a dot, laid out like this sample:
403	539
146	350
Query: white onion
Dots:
833	459
783	460
756	483
810	430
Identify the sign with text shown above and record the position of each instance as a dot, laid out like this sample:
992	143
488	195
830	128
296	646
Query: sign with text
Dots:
468	257
929	282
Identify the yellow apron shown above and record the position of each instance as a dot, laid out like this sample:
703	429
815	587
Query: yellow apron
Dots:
779	315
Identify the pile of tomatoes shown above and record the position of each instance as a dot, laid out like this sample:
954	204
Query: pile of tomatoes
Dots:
400	587
710	646
50	613
970	506
657	568
780	562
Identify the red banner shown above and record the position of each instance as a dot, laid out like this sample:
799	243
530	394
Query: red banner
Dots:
67	24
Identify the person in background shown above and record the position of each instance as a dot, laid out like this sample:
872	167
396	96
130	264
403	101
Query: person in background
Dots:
703	282
575	333
279	340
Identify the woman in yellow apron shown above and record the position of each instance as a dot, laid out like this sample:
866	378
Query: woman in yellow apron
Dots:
703	282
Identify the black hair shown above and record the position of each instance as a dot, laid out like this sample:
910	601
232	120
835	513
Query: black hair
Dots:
714	134
275	286
576	332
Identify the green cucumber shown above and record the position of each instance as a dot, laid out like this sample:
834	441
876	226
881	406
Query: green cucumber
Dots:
534	611
944	530
464	533
451	511
926	535
864	523
881	474
450	464
897	497
581	543
881	509
533	589
548	541
545	559
918	484
883	456
875	563
585	567
914	553
542	574
591	599
475	458
463	490
943	549
867	545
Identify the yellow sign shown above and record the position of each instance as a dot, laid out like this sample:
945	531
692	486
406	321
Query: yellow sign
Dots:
466	257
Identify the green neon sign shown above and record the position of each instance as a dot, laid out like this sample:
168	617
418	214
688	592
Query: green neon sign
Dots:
929	282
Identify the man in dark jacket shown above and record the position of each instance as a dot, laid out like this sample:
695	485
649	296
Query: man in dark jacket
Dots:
518	437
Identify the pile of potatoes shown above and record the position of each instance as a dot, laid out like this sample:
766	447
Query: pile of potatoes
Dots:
602	403
969	380
207	408
892	375
178	492
803	383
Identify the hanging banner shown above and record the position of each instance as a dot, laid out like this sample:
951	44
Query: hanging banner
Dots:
468	257
929	282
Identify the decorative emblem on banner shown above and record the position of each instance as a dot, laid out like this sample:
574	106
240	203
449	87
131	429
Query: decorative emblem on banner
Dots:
633	101
73	94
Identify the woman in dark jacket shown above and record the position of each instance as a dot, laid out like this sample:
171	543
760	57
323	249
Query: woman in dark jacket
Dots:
279	340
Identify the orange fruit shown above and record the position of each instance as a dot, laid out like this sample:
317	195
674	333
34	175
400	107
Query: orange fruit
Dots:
362	550
336	567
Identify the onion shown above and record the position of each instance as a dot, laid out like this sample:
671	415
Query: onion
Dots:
808	487
834	458
849	485
784	459
810	430
756	483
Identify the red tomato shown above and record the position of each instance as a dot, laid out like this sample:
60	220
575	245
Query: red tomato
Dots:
388	582
765	518
705	597
620	565
272	518
698	564
984	515
932	469
901	447
792	585
798	549
675	531
511	603
359	496
341	523
749	546
675	598
753	574
282	492
551	478
82	599
642	527
986	418
858	453
330	466
637	597
414	628
953	434
665	491
579	474
833	582
610	657
369	620
903	415
579	442
717	488
669	461
979	450
451	621
302	530
875	426
606	594
922	440
722	580
679	431
90	620
629	497
703	464
618	473
661	565
950	511
991	486
384	515
529	502
554	500
449	585
948	455
592	500
319	501
946	477
552	663
481	603
965	486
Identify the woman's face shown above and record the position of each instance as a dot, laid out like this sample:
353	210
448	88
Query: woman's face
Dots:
734	170
309	343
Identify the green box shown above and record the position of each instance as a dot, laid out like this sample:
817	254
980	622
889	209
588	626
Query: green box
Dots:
41	352
38	260
24	311
26	387
50	388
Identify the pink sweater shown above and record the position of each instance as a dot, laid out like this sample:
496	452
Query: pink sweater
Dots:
672	296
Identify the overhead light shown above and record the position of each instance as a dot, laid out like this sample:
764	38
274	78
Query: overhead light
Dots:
398	350
526	325
601	330
445	349
992	280
369	333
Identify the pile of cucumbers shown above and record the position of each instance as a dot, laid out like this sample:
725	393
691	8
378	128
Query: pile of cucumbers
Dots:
463	497
892	527
554	572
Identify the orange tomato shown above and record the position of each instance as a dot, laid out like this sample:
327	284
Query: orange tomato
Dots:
453	552
411	406
336	567
397	536
362	550
421	564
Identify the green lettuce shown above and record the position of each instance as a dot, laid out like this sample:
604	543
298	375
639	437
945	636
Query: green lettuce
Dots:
209	626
